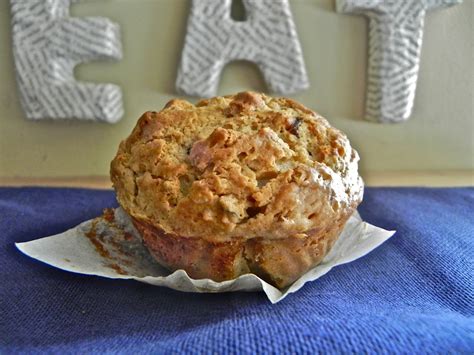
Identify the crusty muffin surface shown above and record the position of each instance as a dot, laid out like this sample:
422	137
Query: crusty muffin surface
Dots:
245	168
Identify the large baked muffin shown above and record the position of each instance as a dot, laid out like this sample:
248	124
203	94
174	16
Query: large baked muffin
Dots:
237	184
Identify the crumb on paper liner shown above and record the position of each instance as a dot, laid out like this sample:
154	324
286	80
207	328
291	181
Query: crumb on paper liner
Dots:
109	246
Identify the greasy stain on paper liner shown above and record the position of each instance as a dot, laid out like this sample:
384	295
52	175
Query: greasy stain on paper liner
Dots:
121	250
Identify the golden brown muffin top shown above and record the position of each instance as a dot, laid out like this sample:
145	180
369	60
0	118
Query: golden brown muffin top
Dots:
246	165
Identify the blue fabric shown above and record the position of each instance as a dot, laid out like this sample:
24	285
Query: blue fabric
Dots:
414	294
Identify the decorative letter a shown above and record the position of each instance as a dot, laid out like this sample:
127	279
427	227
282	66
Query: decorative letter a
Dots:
268	38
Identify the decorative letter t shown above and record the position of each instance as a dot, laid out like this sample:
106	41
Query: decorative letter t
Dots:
395	36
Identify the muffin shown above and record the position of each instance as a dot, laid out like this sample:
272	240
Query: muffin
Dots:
237	184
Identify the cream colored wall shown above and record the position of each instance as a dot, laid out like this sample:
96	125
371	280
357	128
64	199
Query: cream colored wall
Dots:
439	135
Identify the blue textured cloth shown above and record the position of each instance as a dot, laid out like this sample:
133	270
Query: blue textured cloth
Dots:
414	294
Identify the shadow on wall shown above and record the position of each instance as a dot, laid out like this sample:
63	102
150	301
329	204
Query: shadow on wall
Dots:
245	74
